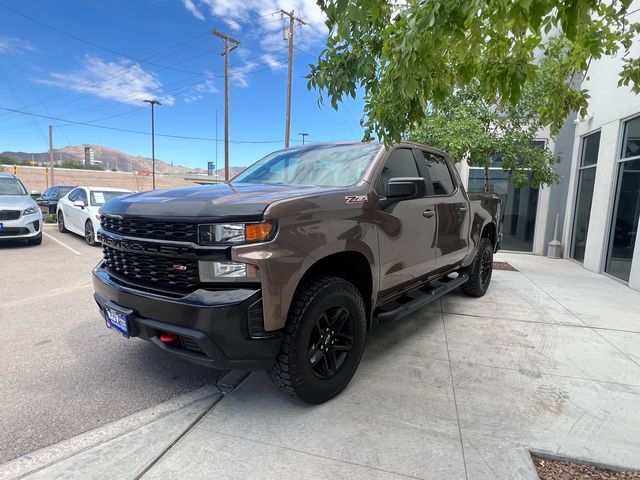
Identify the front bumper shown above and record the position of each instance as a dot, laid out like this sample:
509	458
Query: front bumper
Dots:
25	227
214	328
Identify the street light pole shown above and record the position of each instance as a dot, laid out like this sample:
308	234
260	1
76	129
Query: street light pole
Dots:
303	135
153	103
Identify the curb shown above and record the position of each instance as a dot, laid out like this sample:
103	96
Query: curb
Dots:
40	459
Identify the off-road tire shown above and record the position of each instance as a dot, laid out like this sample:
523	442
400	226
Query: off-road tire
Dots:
479	277
89	234
61	227
292	370
35	241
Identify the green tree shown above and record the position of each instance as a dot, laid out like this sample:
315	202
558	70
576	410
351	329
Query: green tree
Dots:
410	55
470	129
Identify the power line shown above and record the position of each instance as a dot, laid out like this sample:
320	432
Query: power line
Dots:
126	130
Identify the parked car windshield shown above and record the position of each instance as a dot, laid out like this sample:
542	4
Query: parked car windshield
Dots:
11	186
319	165
98	197
62	191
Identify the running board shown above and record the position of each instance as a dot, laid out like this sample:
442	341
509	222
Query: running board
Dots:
418	298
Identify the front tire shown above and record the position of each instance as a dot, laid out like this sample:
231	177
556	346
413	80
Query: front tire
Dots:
89	234
61	226
480	270
323	340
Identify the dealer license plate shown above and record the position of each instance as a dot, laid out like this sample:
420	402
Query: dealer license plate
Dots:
117	320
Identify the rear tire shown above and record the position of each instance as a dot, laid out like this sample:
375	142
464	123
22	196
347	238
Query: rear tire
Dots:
61	227
89	234
480	270
323	340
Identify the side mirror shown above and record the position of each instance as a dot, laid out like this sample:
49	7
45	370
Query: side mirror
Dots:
404	188
79	203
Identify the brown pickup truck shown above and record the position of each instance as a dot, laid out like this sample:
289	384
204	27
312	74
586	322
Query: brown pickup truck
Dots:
288	266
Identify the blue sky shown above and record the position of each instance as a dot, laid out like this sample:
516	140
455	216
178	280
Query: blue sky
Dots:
171	56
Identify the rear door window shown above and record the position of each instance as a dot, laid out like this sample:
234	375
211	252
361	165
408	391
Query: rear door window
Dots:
438	174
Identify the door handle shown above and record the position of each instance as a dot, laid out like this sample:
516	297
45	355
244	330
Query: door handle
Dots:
428	213
463	208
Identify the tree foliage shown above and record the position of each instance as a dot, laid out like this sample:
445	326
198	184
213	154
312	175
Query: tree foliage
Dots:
472	130
414	54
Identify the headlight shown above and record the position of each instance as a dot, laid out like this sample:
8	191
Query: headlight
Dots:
234	232
227	272
31	210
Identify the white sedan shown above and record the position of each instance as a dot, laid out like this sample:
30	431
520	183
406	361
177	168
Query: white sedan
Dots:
78	210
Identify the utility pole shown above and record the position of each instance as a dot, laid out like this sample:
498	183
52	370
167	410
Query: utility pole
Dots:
292	19
303	135
153	141
51	159
230	44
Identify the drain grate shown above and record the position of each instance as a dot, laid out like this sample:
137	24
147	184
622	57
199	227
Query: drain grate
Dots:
504	266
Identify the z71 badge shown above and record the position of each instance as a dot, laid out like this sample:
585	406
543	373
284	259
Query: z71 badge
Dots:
355	199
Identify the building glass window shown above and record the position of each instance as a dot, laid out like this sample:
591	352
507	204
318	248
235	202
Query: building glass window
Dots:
586	182
519	207
626	208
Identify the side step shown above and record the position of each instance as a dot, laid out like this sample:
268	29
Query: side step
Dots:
418	298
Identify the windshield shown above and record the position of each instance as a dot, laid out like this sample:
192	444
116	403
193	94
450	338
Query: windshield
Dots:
11	186
64	190
319	165
98	198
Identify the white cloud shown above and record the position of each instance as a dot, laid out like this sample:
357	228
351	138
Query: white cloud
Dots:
238	75
123	81
12	45
202	88
262	20
273	62
189	5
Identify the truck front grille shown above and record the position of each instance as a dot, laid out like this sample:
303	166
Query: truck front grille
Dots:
153	270
174	231
9	214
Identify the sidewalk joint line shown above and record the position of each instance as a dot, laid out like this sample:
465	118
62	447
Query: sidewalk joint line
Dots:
317	455
455	400
591	328
190	427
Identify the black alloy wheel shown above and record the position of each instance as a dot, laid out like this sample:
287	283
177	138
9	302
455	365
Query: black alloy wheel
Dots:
89	234
331	341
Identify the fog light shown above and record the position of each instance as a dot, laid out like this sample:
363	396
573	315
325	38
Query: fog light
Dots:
227	272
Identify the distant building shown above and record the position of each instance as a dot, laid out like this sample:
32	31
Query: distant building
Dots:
89	159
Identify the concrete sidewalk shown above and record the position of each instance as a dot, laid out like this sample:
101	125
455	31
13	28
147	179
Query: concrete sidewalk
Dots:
548	360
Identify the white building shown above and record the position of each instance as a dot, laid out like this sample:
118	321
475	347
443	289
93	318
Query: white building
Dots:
604	188
598	197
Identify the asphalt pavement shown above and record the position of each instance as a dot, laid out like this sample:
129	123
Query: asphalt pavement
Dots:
62	372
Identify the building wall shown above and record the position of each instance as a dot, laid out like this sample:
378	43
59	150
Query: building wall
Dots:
609	107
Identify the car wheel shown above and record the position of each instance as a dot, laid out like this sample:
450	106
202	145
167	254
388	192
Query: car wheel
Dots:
480	270
61	226
89	234
35	241
323	340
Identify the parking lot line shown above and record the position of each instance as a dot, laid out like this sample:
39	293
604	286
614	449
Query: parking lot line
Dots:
61	243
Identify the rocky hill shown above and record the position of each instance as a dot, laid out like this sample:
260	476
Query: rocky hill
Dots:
106	157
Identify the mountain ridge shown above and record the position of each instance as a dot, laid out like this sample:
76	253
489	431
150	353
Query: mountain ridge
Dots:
107	157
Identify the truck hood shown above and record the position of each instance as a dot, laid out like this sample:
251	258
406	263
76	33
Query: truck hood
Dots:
207	202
